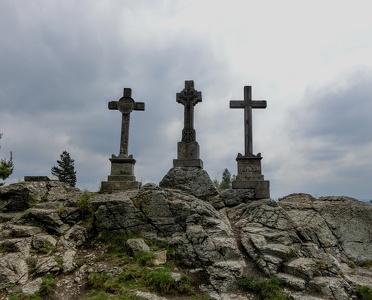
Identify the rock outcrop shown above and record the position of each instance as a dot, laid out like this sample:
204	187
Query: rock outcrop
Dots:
317	247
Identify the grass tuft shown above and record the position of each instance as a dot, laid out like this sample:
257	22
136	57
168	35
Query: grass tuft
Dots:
47	285
364	292
266	289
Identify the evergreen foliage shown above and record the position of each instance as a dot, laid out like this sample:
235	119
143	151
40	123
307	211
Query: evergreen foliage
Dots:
6	167
226	181
66	169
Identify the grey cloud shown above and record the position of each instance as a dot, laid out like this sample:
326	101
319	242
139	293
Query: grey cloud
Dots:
339	112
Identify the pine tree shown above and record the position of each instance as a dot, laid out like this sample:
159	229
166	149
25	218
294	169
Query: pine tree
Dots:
6	167
66	170
226	180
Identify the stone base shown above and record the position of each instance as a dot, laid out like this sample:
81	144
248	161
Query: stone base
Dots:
122	165
249	168
188	155
188	163
250	177
189	150
122	175
36	178
117	186
121	178
260	188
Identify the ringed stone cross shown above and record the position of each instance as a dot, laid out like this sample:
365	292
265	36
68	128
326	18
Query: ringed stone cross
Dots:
125	105
248	104
189	97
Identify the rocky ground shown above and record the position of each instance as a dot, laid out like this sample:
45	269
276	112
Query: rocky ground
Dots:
318	248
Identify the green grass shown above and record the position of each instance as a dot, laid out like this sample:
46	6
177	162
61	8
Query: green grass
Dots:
265	289
365	292
136	277
367	264
46	248
86	209
47	285
106	296
137	272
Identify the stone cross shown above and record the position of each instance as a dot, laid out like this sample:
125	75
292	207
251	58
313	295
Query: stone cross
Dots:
189	97
248	104
125	105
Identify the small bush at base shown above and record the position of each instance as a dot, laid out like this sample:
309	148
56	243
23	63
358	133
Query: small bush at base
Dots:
365	292
161	281
47	285
266	289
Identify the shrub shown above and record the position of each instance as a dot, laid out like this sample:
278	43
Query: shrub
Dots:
86	209
66	169
365	292
266	289
47	285
161	280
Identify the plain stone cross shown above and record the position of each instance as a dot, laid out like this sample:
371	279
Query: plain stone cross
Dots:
189	97
125	105
248	104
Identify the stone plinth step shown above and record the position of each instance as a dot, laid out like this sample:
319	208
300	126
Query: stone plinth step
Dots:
188	163
121	178
117	186
261	187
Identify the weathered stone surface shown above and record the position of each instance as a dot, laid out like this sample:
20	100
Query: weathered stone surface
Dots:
50	218
19	231
333	222
21	196
12	200
40	241
68	263
219	240
192	180
334	288
137	246
296	283
13	269
46	265
302	267
32	287
160	257
74	237
119	212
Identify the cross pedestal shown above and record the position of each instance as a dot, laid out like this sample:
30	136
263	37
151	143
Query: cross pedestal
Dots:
122	166
249	166
250	177
188	154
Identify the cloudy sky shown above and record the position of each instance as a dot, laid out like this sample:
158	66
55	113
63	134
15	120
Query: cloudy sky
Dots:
61	62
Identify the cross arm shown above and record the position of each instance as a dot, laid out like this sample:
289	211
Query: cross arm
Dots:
252	103
113	105
139	106
237	104
259	103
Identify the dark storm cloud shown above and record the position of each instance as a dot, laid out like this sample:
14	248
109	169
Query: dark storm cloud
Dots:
63	72
337	115
330	136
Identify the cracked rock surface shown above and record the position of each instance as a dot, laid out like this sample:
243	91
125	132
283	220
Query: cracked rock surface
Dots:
317	247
